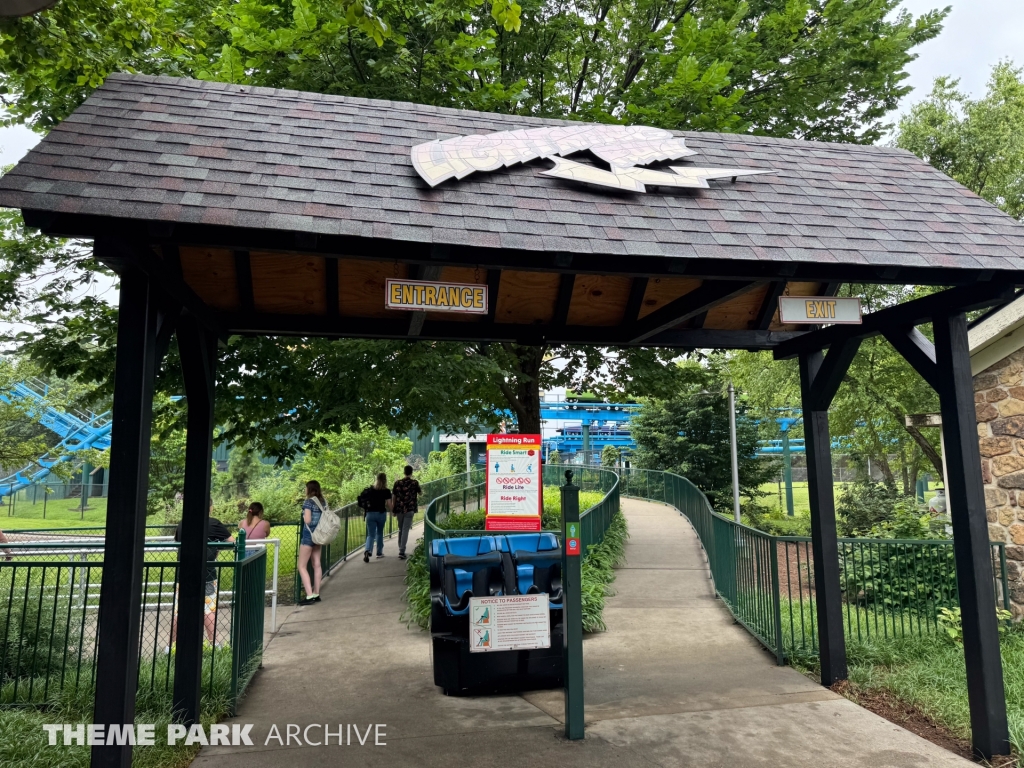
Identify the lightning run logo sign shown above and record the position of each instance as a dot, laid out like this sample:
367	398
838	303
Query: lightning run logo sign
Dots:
624	147
515	488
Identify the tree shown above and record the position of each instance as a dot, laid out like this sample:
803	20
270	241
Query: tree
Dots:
689	434
827	69
342	460
979	142
610	456
869	411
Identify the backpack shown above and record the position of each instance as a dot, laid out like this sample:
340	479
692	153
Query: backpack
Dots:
364	501
327	529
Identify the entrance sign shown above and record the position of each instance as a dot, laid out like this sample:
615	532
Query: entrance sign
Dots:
431	296
623	147
817	310
513	623
515	497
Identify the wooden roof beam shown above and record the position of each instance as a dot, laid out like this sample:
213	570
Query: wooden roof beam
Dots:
710	294
902	316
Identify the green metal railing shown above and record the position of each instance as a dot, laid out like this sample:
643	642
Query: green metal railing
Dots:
593	522
49	601
891	587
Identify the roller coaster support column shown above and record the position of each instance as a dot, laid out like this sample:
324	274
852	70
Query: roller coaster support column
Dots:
787	472
572	608
586	444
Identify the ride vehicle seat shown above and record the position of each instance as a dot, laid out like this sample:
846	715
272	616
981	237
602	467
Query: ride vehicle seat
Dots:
538	564
462	568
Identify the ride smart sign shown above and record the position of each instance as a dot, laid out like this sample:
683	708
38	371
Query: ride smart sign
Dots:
515	491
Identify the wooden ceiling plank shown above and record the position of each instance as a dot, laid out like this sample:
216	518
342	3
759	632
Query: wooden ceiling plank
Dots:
289	285
210	274
599	300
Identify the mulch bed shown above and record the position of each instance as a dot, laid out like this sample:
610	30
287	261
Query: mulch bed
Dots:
905	715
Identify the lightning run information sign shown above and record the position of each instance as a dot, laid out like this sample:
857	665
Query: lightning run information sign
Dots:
515	490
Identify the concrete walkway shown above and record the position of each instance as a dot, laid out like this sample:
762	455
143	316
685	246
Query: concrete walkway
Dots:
673	682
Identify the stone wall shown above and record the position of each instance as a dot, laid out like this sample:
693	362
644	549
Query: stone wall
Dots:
999	399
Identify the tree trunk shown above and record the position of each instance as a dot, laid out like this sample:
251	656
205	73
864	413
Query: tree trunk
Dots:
527	410
522	389
904	470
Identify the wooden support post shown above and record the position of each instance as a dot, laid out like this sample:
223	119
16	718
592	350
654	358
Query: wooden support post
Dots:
972	552
818	446
197	348
121	590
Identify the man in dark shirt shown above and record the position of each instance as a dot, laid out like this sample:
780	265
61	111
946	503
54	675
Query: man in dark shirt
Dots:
404	499
216	531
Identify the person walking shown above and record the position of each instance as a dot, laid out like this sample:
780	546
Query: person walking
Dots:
312	508
376	500
404	506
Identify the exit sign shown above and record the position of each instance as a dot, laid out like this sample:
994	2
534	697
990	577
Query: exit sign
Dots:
819	310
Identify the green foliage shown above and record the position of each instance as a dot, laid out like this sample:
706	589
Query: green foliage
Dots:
880	511
689	435
774	521
879	383
36	625
166	475
346	461
25	742
952	623
823	69
610	456
554	457
979	142
598	572
932	676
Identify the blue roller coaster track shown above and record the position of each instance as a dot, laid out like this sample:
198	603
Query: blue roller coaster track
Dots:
78	430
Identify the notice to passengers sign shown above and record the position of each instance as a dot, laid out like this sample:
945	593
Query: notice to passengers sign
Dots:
432	296
515	488
512	623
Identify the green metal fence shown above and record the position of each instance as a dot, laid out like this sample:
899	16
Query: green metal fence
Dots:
891	587
49	601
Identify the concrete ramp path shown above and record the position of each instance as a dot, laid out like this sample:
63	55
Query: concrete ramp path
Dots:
673	682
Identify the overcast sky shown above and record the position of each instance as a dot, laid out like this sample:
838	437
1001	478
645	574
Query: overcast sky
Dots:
977	34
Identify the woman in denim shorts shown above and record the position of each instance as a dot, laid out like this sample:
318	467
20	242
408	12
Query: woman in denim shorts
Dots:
312	508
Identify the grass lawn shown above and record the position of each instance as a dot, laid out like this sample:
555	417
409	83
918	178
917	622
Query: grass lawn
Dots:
60	513
929	674
801	505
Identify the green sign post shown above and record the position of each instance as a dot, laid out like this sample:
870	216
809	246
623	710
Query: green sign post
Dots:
572	608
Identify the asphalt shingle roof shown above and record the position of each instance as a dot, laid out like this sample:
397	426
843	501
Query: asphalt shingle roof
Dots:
186	151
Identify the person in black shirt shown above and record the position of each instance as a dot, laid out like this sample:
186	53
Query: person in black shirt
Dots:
377	505
215	531
404	503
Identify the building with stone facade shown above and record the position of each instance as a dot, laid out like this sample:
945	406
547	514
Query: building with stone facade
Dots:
997	362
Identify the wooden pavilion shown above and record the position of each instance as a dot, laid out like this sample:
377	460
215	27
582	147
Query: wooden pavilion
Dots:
237	210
